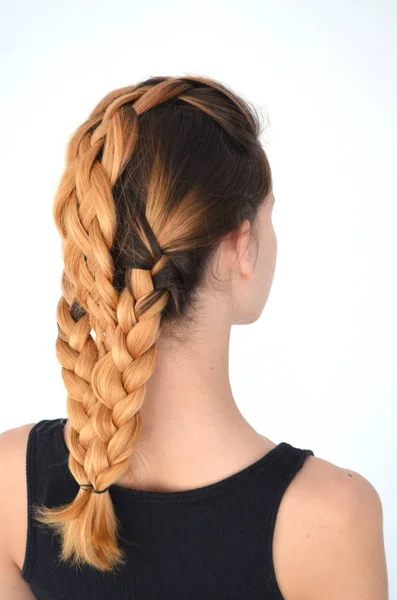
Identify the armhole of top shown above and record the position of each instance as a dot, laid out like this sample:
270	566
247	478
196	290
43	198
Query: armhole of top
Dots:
273	587
30	490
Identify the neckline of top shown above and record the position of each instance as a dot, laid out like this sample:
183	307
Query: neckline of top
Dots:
260	464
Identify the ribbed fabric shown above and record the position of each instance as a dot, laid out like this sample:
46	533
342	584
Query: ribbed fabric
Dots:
209	543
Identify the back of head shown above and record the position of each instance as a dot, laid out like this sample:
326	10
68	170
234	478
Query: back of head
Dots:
155	177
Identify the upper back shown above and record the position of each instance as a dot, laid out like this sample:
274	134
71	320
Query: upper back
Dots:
270	530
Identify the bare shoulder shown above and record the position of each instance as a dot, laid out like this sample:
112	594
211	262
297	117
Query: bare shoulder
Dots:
328	540
13	493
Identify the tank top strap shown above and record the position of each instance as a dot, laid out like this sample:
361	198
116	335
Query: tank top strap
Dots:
48	480
288	464
290	460
47	474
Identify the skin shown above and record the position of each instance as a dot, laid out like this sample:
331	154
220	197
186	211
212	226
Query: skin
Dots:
328	542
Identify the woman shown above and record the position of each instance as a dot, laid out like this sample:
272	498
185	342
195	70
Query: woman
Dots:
155	484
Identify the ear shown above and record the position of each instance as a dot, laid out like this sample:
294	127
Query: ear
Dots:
242	241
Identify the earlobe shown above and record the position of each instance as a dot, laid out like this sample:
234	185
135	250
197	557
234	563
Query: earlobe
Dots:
246	271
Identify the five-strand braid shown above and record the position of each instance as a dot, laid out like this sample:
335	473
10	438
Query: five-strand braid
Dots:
105	376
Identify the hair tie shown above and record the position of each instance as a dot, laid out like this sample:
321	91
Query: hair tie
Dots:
94	491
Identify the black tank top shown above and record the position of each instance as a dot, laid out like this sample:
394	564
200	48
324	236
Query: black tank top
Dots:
208	543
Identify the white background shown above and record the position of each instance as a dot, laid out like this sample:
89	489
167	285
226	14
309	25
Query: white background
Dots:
318	369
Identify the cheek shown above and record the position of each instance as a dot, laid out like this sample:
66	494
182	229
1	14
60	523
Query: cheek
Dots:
268	256
275	244
270	244
272	239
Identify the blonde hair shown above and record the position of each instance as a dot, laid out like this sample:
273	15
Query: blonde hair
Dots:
155	176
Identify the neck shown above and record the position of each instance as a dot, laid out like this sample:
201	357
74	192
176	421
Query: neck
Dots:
188	398
190	419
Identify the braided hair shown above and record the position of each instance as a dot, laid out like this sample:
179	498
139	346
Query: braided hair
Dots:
154	178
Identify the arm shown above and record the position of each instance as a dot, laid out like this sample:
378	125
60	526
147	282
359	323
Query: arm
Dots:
13	507
335	549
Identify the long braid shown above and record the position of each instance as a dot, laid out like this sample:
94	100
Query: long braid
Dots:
105	377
